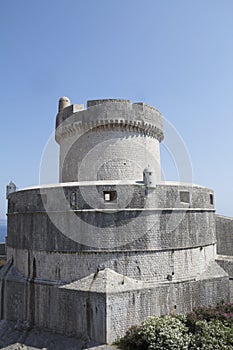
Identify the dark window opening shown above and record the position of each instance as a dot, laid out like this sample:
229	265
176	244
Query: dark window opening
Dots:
184	196
34	268
211	199
110	196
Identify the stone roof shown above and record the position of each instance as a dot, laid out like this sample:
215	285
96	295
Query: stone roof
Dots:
105	281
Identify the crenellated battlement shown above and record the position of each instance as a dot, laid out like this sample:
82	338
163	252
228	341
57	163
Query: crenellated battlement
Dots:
109	101
115	114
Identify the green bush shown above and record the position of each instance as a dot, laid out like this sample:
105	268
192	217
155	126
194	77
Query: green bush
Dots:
133	340
221	312
157	333
212	335
165	332
205	328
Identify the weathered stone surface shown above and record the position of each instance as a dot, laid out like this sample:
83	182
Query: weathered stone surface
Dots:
224	233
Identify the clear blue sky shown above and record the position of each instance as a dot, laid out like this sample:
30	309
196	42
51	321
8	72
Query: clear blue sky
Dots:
175	55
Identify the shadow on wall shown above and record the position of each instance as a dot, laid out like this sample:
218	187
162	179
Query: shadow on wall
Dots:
2	254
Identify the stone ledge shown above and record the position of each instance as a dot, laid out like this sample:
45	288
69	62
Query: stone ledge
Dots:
145	129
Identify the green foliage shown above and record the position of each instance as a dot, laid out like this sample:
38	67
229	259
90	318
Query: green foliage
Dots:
212	335
157	333
205	328
165	332
133	340
221	312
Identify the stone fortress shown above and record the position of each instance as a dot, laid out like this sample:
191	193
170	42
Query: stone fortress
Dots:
112	244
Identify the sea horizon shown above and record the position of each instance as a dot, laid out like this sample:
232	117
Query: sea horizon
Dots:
3	230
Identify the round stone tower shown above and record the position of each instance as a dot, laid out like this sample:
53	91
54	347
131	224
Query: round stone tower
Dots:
111	140
111	237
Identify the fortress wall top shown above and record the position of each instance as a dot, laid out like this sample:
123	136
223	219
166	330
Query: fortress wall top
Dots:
91	103
109	112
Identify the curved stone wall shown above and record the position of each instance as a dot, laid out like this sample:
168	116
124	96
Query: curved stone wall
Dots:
108	154
165	265
71	228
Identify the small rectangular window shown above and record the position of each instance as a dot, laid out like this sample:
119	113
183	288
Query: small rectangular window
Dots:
184	196
110	196
211	199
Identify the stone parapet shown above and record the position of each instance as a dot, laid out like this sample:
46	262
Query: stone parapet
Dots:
109	114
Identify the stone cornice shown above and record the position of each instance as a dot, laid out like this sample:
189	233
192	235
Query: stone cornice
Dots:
68	129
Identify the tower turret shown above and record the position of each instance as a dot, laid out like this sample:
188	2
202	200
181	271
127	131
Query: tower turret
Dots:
63	103
111	140
11	188
149	178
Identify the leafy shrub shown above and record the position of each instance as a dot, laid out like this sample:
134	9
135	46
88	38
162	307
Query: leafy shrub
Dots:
157	333
205	328
221	312
212	335
133	340
165	332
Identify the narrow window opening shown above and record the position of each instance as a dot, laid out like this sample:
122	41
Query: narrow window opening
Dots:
34	268
184	196
211	199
